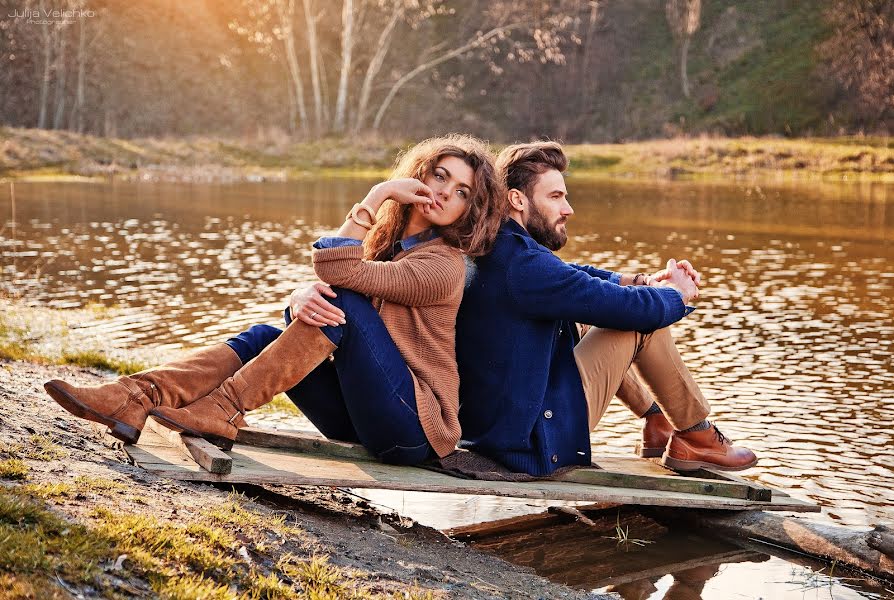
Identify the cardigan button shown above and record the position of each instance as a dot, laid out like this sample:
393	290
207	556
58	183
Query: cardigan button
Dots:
554	458
548	414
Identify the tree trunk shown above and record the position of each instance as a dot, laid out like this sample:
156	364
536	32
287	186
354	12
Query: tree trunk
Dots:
347	44
46	38
292	58
77	116
314	49
375	64
476	41
684	54
61	72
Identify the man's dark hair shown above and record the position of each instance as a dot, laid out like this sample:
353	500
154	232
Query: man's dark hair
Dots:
520	165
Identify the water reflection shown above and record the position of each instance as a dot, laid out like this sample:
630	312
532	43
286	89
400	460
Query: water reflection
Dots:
792	340
628	553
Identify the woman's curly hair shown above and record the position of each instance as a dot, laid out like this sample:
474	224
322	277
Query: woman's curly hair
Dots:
475	230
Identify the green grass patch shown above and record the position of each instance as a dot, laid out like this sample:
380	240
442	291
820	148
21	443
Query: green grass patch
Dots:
279	404
97	360
35	541
13	468
42	447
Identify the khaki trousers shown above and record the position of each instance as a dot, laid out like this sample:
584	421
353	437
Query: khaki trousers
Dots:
604	358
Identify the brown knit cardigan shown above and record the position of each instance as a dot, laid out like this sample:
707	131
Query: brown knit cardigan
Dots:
417	295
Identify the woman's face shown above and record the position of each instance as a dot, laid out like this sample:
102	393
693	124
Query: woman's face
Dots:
451	182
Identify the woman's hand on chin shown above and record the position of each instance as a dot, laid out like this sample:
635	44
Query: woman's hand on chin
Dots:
404	191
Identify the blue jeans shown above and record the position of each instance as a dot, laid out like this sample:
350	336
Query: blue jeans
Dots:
366	394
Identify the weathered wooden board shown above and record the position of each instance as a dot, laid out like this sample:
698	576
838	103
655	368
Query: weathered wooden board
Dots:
612	472
253	464
207	455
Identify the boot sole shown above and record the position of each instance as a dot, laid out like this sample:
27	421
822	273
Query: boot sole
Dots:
649	452
223	443
124	432
694	465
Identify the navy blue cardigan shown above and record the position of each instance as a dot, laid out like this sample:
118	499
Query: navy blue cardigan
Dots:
521	398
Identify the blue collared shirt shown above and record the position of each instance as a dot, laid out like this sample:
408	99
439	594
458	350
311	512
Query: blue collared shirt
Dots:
399	246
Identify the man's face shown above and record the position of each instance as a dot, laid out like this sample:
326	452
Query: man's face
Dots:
549	210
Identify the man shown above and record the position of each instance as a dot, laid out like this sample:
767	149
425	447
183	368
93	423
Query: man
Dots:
531	389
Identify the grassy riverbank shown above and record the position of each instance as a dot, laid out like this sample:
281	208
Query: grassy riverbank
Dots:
59	155
78	520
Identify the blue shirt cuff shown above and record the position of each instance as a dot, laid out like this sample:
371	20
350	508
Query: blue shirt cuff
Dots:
615	278
687	310
336	242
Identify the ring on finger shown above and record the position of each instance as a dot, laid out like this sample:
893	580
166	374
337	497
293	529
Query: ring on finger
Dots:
313	316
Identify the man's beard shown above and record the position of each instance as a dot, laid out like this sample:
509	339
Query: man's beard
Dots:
544	233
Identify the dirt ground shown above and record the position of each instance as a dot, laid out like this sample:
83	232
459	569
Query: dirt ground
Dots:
74	473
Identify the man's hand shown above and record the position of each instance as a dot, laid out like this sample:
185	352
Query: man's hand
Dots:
309	305
679	278
664	274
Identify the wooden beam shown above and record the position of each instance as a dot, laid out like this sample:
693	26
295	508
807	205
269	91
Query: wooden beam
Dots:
252	464
302	442
207	455
757	491
667	483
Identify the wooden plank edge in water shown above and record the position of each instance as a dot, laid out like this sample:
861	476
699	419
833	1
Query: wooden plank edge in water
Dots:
302	442
207	455
450	485
669	483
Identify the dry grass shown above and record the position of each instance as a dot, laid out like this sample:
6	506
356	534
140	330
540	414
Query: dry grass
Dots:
52	155
706	157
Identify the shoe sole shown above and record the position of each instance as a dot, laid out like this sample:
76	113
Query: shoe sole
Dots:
124	432
223	443
694	465
648	452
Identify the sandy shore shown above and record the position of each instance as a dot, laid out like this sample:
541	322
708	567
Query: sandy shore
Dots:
106	528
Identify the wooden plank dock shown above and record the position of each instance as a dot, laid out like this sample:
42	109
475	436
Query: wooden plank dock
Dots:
295	458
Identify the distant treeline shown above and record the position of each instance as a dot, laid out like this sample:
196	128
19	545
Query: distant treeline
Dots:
578	70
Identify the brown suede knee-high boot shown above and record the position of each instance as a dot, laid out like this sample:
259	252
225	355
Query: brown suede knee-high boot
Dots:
124	404
279	367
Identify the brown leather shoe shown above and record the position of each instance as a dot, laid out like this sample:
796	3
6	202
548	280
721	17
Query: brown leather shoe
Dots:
656	432
280	366
124	404
707	449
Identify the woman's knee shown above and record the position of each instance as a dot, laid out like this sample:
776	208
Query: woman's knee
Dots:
350	301
253	340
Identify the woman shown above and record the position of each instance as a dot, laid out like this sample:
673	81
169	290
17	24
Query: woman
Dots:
391	382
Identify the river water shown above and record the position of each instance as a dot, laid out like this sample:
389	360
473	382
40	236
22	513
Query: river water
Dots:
791	342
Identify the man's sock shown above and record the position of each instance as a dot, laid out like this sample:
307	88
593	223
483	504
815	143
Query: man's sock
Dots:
652	410
700	426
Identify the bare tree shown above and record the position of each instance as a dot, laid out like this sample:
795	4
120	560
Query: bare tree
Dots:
477	40
382	46
286	11
60	70
683	17
314	58
46	37
347	45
